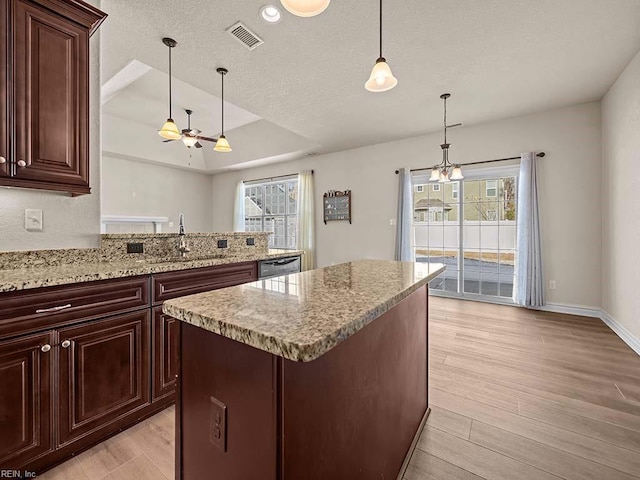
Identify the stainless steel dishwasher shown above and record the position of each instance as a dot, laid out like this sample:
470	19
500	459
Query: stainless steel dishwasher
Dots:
278	266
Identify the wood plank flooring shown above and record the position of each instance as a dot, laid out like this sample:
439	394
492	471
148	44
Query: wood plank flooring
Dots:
515	394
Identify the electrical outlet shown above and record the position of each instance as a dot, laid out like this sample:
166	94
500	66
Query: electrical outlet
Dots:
33	220
218	424
135	247
222	244
251	241
552	284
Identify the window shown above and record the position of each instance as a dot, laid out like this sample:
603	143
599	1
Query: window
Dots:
436	187
454	190
492	215
419	188
492	188
272	207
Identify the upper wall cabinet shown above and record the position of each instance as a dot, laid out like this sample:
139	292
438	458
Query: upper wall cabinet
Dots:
44	93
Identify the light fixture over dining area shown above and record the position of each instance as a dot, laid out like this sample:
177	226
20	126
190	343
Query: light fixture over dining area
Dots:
445	171
305	8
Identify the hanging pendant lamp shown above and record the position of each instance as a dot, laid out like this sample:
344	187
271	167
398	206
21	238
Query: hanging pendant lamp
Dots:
170	130
305	8
445	171
222	145
381	78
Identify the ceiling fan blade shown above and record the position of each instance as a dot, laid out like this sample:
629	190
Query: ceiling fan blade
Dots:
167	141
206	139
195	131
197	145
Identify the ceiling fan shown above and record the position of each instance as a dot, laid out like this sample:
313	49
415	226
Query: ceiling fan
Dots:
191	136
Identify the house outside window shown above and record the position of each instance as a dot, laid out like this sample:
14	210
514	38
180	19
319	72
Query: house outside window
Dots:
455	186
419	188
272	207
491	188
436	187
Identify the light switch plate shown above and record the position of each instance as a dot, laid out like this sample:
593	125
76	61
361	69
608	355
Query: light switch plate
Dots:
33	220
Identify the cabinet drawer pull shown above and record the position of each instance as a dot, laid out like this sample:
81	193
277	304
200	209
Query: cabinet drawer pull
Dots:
22	163
66	344
45	348
3	160
53	309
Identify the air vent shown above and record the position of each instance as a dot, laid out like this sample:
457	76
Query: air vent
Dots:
245	36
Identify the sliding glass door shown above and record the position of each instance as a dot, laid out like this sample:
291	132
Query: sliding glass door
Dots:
470	226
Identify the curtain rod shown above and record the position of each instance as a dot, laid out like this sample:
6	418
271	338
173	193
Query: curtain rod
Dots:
541	155
272	178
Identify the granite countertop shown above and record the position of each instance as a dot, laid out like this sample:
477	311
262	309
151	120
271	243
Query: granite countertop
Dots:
26	278
303	315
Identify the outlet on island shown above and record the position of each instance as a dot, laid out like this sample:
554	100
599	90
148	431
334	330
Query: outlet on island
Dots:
218	424
222	244
251	241
135	247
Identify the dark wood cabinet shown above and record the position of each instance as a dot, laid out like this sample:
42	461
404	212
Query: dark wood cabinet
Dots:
103	373
166	340
4	71
46	93
26	403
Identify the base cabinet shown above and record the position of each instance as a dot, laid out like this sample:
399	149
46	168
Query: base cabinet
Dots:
166	341
26	407
103	373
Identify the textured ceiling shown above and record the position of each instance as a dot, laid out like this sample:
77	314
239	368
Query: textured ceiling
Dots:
499	58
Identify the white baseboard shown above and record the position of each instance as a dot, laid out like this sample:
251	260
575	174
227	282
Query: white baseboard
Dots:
622	331
594	312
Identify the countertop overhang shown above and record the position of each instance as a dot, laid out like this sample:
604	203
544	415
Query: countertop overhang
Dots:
301	316
36	277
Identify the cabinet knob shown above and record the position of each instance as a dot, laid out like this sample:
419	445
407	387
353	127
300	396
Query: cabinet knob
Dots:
45	348
22	163
66	344
3	160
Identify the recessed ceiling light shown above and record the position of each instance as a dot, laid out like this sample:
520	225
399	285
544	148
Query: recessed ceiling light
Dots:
270	14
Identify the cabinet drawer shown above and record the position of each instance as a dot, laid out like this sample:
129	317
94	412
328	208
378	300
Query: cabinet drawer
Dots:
187	282
31	310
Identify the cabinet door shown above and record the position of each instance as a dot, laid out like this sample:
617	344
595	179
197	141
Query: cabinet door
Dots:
50	81
4	71
104	373
26	405
166	339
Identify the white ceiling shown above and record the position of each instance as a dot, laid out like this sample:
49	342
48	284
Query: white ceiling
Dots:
499	58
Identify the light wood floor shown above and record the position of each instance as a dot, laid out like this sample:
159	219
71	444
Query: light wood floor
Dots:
515	395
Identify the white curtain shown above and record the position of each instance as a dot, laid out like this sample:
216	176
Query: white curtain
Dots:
404	222
238	209
306	220
529	287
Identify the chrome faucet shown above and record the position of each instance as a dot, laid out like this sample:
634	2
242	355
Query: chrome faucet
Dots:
182	244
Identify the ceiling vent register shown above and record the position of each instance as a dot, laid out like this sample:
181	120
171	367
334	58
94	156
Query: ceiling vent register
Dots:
240	32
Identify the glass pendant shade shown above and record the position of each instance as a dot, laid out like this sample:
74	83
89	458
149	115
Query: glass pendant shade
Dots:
305	8
189	141
381	79
170	130
444	177
222	145
456	174
435	175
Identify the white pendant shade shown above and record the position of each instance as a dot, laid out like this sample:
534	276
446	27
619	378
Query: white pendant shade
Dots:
456	174
305	8
189	141
381	79
435	175
444	177
222	145
170	131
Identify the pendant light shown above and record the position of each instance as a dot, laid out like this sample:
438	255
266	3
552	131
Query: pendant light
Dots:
170	130
305	8
222	145
381	78
445	171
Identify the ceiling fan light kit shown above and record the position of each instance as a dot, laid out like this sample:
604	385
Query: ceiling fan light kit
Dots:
170	130
305	8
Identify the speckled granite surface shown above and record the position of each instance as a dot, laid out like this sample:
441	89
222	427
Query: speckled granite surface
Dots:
63	274
302	316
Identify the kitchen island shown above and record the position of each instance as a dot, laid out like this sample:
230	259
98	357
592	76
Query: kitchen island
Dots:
315	375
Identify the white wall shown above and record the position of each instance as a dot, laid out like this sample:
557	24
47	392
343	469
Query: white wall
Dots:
142	189
621	199
570	191
69	222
